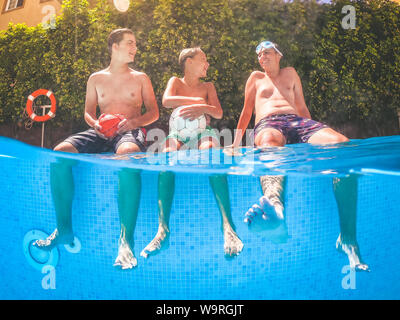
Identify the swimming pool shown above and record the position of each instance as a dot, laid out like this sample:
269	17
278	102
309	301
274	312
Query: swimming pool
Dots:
305	266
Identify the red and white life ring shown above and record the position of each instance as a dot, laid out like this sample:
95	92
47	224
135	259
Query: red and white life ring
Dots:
33	96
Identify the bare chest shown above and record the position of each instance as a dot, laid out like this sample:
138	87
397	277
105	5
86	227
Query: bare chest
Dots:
276	90
186	91
124	92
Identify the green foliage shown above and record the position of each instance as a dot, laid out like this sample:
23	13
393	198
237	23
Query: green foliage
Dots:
292	25
183	24
60	59
78	47
356	74
347	75
22	69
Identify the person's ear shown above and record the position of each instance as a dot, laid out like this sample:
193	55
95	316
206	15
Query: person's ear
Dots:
115	46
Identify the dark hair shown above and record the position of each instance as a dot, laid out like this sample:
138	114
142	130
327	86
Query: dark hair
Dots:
116	36
187	53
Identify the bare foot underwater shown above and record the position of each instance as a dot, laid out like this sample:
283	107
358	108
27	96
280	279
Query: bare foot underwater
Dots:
232	244
54	240
159	243
267	216
352	251
125	258
268	220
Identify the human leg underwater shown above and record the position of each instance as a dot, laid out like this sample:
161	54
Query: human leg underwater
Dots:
129	192
346	195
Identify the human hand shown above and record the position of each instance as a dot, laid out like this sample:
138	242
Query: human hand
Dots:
232	151
97	128
200	101
126	125
191	112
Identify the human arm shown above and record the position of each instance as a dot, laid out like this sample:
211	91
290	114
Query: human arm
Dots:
247	111
299	102
212	107
91	102
91	105
171	100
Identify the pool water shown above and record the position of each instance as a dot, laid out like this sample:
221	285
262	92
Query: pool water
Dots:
306	265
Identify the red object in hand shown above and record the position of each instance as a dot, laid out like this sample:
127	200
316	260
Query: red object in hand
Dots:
109	124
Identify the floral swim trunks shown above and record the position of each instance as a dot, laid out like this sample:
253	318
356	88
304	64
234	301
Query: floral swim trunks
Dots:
294	128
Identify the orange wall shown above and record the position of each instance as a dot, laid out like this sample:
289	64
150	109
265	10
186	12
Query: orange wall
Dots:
30	14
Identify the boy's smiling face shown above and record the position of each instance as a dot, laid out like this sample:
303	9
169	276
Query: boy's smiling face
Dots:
199	64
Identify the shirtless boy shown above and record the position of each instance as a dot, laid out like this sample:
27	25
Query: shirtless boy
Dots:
281	117
200	98
121	90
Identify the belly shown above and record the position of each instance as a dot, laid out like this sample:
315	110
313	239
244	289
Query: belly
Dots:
128	111
267	108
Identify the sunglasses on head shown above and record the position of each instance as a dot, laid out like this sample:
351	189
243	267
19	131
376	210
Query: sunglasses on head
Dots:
267	45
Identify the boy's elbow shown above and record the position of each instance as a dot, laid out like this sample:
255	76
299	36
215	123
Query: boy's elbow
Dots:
87	116
165	102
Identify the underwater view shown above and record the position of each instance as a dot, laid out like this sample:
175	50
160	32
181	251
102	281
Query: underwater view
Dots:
300	257
186	150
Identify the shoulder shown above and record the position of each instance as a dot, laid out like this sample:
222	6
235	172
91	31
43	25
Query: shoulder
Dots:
139	76
292	76
255	75
289	71
175	82
174	79
98	75
209	85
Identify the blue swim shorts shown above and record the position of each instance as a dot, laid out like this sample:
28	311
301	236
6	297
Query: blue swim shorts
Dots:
294	128
89	142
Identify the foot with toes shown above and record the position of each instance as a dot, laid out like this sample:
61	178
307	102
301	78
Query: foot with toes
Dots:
125	258
352	251
160	242
54	240
232	244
